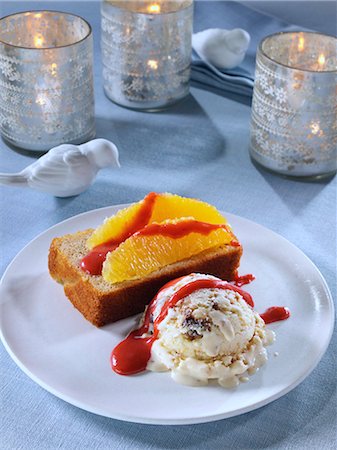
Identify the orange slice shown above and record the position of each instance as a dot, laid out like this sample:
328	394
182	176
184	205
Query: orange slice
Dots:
153	208
170	206
160	244
115	228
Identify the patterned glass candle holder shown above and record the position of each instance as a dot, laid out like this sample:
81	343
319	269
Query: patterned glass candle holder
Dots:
146	50
294	111
46	80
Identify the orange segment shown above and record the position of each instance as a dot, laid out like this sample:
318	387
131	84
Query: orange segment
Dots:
154	247
153	208
121	225
171	206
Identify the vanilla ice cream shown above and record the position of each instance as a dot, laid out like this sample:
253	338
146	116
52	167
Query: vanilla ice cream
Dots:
210	334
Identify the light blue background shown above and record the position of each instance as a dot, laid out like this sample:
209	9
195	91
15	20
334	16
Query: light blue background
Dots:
198	148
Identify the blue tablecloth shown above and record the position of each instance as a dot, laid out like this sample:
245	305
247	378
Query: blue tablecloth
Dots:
198	148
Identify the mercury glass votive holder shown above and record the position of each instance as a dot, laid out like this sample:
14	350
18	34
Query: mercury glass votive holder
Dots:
146	51
46	80
294	110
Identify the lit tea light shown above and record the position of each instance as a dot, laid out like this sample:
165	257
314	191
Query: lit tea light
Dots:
153	64
316	129
38	41
41	100
295	82
53	69
300	46
148	67
154	8
42	103
321	61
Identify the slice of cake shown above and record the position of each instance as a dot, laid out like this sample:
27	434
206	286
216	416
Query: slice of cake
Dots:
114	271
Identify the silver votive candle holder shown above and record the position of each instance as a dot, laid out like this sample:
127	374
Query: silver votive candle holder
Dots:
46	80
294	109
146	51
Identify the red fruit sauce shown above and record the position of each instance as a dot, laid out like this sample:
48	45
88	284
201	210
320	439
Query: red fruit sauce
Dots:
132	354
92	263
275	313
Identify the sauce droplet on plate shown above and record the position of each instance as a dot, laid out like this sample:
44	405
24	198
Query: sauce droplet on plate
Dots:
275	313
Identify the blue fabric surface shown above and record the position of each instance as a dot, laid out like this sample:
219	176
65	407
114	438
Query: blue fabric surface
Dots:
197	148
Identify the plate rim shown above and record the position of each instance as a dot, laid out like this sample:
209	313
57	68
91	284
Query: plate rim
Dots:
172	421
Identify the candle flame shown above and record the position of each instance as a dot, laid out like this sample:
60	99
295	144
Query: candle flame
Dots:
38	41
41	100
154	8
53	69
301	44
153	64
316	129
321	60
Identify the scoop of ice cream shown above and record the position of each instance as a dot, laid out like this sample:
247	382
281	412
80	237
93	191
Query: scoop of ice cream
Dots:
210	334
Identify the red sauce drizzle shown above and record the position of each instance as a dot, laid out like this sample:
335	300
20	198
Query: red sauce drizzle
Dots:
243	279
132	354
180	229
142	218
235	243
92	263
275	313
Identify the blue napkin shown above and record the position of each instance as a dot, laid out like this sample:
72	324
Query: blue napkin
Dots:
229	15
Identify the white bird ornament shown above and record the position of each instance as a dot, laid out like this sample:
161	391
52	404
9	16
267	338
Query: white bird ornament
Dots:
66	170
225	49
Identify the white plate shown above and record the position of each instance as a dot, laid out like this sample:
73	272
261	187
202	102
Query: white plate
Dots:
55	346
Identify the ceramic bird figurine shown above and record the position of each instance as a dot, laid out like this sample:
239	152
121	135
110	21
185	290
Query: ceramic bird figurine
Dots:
224	49
66	170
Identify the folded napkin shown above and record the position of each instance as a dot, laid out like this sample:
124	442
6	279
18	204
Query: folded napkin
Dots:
205	75
229	15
